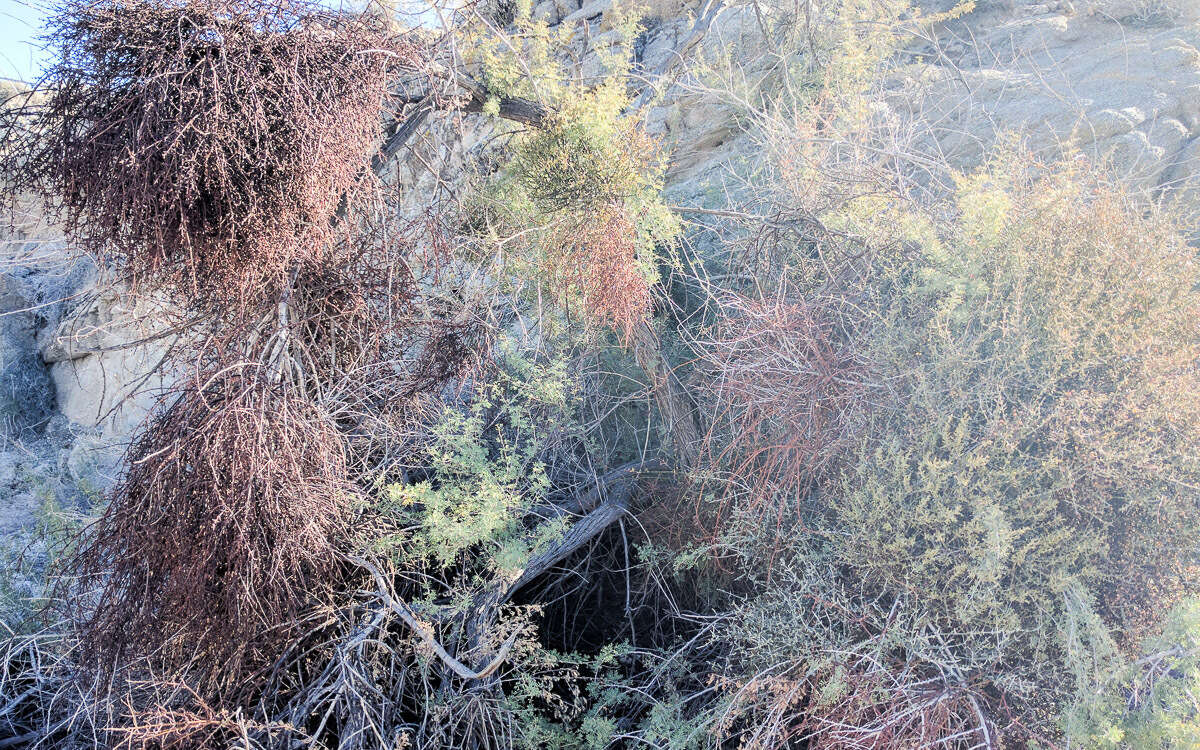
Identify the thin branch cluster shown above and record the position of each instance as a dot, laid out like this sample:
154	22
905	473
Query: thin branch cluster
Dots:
208	146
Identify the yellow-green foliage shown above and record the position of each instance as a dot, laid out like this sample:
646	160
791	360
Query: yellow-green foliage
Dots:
1025	501
588	155
1151	701
527	60
485	472
1049	425
578	212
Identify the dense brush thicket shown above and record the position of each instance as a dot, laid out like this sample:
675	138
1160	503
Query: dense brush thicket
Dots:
221	535
1013	499
872	455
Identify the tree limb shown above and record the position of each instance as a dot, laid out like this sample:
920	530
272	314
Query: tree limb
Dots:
399	133
586	529
669	394
606	502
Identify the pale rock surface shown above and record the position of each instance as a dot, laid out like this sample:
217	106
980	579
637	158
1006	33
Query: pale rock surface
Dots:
1067	77
103	378
49	466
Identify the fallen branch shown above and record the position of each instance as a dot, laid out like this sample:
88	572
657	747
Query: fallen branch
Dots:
406	614
586	529
614	489
399	133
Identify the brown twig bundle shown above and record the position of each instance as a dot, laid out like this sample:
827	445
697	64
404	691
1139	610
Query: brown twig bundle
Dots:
593	256
790	389
159	714
863	704
221	534
210	145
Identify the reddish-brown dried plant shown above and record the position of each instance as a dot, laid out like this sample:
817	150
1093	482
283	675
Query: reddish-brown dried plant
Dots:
220	535
208	145
790	397
593	259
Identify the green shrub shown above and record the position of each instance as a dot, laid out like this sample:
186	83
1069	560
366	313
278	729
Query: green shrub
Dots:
1149	701
1022	499
577	217
485	471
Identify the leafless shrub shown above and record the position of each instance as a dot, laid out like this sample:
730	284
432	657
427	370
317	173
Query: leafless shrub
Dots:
369	319
34	686
206	145
790	398
219	536
178	719
862	703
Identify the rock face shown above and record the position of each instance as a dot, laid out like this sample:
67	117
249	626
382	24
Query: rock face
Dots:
103	376
48	464
1118	86
1118	80
27	398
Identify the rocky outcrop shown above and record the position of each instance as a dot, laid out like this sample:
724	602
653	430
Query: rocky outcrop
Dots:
1117	80
105	362
27	395
49	464
1120	87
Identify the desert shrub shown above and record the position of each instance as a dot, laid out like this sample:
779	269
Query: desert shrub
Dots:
790	399
587	156
1019	488
1148	699
578	212
612	285
206	144
951	473
486	470
454	535
218	539
595	258
593	175
1069	320
329	359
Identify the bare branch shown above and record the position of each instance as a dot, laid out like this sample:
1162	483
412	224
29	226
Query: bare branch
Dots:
406	614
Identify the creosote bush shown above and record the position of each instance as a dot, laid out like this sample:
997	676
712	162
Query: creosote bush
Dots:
1018	483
